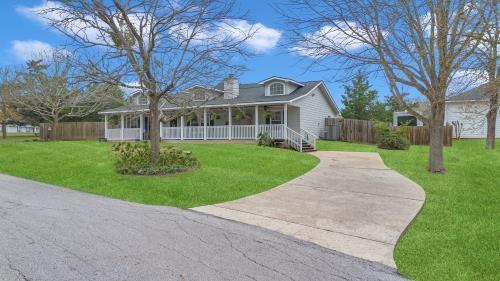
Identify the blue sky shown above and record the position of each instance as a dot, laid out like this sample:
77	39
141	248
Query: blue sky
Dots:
22	34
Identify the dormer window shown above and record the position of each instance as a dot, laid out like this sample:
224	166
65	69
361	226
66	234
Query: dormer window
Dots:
142	100
199	97
276	89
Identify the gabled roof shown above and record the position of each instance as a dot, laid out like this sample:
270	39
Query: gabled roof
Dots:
281	79
476	94
204	87
249	94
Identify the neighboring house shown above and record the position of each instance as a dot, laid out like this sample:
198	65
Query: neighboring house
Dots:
283	108
405	118
22	129
468	108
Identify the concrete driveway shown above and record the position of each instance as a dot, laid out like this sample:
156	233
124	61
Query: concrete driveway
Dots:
351	202
50	233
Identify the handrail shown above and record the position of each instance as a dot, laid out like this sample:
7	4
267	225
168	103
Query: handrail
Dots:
309	137
294	138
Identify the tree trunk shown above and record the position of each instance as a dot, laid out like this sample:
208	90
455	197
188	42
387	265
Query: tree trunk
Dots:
491	116
491	119
154	128
53	133
4	130
436	127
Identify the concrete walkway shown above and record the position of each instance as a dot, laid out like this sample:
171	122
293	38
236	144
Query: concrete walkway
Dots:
49	233
351	202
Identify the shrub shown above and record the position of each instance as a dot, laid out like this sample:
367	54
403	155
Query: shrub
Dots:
265	140
389	138
135	159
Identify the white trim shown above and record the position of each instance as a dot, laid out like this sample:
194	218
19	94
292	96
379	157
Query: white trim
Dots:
122	125
203	87
268	89
201	106
330	99
282	79
230	121
256	117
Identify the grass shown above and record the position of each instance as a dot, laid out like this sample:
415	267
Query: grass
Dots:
227	172
457	234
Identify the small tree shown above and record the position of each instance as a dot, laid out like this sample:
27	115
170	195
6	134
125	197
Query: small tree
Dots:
358	99
8	113
361	102
51	89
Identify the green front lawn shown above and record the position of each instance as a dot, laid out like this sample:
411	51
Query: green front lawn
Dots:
457	234
227	172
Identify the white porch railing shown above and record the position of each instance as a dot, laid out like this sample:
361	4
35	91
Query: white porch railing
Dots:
243	132
238	132
131	133
218	132
308	137
171	133
275	131
193	133
294	139
113	134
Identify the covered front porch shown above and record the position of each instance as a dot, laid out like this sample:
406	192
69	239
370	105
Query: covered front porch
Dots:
209	123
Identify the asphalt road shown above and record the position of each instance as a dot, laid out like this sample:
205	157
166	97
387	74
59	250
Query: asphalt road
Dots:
50	233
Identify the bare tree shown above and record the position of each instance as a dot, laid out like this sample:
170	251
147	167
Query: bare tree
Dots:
163	46
50	88
414	43
487	58
8	112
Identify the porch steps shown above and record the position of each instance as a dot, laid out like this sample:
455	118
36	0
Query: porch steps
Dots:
306	147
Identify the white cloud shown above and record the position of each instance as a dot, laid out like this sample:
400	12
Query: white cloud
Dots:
263	38
344	36
30	49
34	12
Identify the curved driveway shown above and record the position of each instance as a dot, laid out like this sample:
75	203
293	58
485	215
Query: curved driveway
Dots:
351	202
51	233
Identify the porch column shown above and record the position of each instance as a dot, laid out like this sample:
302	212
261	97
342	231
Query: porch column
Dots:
161	129
106	126
182	127
230	122
285	119
141	127
204	123
256	121
122	126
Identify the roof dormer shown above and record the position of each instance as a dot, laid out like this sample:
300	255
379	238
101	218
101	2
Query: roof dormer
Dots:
278	86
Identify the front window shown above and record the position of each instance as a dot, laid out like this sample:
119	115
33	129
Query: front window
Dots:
276	89
274	117
199	96
142	100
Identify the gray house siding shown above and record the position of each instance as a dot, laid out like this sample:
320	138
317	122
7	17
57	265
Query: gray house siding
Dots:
294	118
314	108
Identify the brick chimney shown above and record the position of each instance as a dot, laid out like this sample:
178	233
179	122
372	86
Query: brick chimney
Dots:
231	87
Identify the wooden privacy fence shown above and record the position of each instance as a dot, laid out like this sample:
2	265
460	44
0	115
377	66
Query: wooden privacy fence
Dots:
363	131
73	131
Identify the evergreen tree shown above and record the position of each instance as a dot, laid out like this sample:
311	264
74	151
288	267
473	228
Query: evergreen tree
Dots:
360	102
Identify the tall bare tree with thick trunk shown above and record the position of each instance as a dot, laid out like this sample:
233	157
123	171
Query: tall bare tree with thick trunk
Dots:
158	47
416	44
487	59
